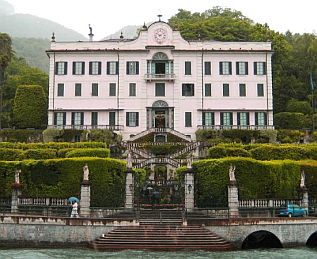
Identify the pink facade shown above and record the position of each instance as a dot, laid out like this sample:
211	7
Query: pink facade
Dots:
160	80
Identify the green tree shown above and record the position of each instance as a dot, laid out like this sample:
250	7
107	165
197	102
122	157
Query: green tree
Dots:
299	106
30	107
20	73
5	58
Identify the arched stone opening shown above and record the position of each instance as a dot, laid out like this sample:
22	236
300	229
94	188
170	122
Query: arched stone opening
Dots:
312	240
261	239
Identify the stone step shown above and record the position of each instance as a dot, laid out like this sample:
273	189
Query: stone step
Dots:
161	237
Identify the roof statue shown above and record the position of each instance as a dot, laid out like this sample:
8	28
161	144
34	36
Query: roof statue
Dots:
17	176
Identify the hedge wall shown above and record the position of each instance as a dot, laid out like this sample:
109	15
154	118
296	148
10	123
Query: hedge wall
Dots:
265	151
62	178
89	152
255	179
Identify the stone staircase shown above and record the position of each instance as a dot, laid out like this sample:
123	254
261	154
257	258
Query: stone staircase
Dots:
161	238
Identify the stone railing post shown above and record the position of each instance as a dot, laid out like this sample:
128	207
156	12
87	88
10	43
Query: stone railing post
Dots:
129	189
189	189
85	194
16	186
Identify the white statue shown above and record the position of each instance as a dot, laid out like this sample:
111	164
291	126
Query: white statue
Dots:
189	162
17	176
86	172
302	179
232	177
129	161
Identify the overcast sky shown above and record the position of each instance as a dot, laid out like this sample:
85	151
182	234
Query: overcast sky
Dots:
106	16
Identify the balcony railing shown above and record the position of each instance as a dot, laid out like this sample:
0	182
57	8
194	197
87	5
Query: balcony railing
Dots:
227	127
88	127
154	77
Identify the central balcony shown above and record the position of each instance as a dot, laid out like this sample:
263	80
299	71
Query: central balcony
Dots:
159	77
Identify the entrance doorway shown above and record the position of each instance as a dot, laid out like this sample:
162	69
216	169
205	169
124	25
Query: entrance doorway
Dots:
160	119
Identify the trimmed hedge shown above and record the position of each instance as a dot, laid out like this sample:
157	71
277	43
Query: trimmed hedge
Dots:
265	151
89	152
255	180
10	154
61	178
38	154
222	151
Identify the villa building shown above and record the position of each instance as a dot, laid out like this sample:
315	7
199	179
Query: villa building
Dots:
160	80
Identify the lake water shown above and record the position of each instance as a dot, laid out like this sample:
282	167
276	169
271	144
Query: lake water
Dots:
289	253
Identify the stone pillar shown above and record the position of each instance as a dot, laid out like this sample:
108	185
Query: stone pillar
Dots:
189	189
129	189
233	198
85	194
15	192
304	191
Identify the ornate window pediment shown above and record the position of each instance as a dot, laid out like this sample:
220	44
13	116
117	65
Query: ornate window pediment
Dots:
160	56
160	104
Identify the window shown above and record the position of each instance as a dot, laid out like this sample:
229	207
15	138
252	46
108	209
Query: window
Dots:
77	89
207	68
188	68
225	68
226	119
112	118
241	68
188	90
243	118
132	68
225	90
60	89
207	89
260	68
61	68
112	68
208	119
132	89
159	89
188	119
112	89
78	68
77	119
60	118
260	119
95	68
242	90
94	89
94	118
132	119
260	89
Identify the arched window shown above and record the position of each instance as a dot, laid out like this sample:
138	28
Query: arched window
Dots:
160	104
160	56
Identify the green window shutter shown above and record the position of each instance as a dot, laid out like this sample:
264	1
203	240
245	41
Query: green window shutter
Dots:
221	118
137	119
238	118
231	118
137	67
73	118
264	68
127	119
255	68
230	68
220	68
90	68
127	68
81	118
99	68
117	68
256	118
248	118
237	68
83	68
74	68
56	68
55	118
65	68
246	68
64	118
108	68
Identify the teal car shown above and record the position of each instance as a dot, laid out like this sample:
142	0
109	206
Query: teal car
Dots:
292	210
